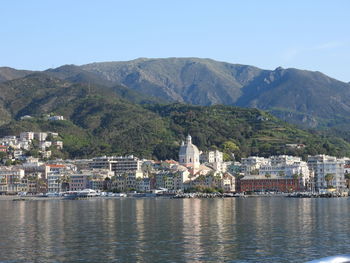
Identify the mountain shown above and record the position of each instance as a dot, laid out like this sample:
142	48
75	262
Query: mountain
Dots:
189	80
307	98
7	73
100	120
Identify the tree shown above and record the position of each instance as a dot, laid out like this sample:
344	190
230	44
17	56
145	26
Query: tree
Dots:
65	180
230	148
328	178
347	178
3	155
267	175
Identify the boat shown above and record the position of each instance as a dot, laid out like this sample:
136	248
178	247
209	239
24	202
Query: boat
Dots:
117	195
333	259
87	193
70	195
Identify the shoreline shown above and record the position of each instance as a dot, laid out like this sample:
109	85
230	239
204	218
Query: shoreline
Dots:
182	196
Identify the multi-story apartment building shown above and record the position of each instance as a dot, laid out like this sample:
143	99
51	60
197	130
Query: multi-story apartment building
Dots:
283	160
11	179
252	164
280	167
55	176
40	136
119	165
328	171
78	182
214	158
28	136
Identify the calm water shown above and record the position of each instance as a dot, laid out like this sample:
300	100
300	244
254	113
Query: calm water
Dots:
170	230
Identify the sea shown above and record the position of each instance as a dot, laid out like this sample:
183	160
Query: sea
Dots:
254	229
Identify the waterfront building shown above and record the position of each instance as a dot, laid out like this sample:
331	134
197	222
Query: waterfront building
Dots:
189	155
143	185
10	179
97	178
228	182
257	183
286	167
174	178
117	183
328	171
218	180
78	182
119	165
55	175
125	181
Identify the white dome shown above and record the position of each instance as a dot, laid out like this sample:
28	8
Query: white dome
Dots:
189	149
189	153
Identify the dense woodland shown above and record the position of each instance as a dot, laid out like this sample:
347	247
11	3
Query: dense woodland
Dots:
116	120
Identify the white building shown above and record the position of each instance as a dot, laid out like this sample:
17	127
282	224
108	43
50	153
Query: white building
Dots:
297	170
44	144
40	136
252	164
215	159
323	165
56	118
28	136
212	157
25	145
55	172
284	160
189	154
58	144
119	165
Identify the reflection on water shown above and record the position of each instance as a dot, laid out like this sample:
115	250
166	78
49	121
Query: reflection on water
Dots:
169	230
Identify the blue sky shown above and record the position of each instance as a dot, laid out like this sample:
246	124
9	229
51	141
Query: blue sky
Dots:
312	34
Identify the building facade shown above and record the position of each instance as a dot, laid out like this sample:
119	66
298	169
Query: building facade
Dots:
328	171
189	154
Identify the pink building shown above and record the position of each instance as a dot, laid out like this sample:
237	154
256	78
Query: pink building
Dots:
78	182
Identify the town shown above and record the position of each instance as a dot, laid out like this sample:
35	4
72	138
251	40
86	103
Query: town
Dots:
194	172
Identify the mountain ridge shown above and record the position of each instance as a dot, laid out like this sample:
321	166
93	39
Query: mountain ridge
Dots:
307	98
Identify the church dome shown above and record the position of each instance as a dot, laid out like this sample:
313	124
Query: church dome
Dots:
188	148
189	153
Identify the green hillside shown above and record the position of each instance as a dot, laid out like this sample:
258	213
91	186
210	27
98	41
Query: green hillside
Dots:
103	121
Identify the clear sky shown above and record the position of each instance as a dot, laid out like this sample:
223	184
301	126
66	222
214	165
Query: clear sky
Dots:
305	34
